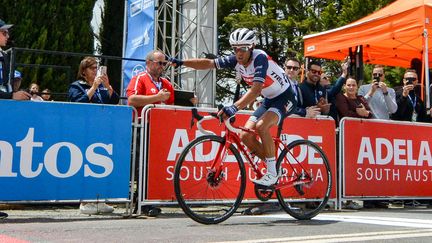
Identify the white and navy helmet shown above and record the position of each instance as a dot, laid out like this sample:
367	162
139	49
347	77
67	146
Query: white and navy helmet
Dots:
242	37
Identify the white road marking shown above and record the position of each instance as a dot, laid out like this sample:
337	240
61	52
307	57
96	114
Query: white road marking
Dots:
424	231
388	221
383	235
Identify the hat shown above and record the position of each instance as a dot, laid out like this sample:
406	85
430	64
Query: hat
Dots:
4	26
17	74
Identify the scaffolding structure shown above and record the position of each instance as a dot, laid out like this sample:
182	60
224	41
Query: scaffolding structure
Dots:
188	29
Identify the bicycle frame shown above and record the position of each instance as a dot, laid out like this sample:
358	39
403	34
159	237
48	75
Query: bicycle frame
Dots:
232	137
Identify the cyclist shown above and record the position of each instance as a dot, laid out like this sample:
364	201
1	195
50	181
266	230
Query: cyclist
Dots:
266	78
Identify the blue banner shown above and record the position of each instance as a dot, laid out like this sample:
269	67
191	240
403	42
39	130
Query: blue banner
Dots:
64	151
139	37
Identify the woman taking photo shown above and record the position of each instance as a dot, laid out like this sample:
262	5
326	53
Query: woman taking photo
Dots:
90	88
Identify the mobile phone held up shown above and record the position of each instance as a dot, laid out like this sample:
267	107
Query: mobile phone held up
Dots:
410	81
102	70
376	80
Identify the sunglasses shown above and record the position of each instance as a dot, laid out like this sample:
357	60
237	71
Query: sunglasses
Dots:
315	72
241	49
292	68
5	32
160	63
377	75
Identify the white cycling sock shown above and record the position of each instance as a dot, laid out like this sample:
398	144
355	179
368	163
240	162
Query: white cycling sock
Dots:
271	166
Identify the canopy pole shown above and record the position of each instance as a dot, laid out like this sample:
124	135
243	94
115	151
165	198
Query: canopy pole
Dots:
426	69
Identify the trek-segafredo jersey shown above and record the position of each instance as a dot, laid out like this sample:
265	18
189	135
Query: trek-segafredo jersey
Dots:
262	69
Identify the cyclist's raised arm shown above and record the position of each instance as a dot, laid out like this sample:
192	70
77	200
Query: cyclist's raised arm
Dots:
196	63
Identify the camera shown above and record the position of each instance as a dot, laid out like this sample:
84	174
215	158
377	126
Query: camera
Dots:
409	81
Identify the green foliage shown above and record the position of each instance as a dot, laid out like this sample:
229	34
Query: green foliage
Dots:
281	25
49	25
111	38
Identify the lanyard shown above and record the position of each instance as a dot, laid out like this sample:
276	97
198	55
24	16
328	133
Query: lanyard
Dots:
97	93
413	102
157	84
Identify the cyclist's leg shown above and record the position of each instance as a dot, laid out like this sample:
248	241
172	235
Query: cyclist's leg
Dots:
268	120
278	107
250	139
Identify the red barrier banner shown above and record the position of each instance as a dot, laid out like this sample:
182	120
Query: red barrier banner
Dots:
170	131
386	158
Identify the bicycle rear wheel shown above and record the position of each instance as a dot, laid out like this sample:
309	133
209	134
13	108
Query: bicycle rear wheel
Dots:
306	168
205	196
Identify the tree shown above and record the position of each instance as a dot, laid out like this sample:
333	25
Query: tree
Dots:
52	25
281	25
111	38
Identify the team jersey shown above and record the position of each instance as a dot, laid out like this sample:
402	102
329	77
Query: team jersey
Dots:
262	69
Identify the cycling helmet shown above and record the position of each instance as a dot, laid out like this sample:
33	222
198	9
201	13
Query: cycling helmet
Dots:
242	37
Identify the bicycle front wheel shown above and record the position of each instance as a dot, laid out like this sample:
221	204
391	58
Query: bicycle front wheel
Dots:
305	185
209	180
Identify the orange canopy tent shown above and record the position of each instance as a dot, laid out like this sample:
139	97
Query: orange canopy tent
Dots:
390	36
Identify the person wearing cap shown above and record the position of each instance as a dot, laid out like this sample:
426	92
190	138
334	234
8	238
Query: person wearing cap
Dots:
4	37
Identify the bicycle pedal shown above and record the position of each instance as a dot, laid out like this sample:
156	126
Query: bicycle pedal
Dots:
299	189
264	188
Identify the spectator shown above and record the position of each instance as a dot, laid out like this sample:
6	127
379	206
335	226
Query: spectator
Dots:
46	95
292	69
34	91
382	102
90	88
410	105
15	94
381	99
334	90
149	87
266	78
350	104
314	94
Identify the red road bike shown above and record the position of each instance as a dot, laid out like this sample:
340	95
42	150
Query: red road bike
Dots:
210	175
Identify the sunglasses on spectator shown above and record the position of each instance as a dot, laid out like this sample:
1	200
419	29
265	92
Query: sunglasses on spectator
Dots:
241	49
5	32
161	63
377	75
292	68
315	72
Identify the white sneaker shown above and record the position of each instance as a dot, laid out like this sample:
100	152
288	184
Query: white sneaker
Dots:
88	208
104	208
267	180
95	208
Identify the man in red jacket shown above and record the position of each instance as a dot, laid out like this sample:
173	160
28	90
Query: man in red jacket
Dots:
149	87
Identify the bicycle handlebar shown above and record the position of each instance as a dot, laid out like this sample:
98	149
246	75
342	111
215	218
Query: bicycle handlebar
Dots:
210	117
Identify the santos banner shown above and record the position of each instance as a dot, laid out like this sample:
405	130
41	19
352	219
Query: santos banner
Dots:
139	36
386	158
167	140
64	151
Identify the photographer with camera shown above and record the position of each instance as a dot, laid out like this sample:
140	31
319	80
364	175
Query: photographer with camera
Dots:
381	99
410	105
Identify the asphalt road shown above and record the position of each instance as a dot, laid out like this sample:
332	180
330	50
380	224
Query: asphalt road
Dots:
65	224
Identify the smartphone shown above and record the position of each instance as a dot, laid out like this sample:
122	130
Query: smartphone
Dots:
410	81
102	70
